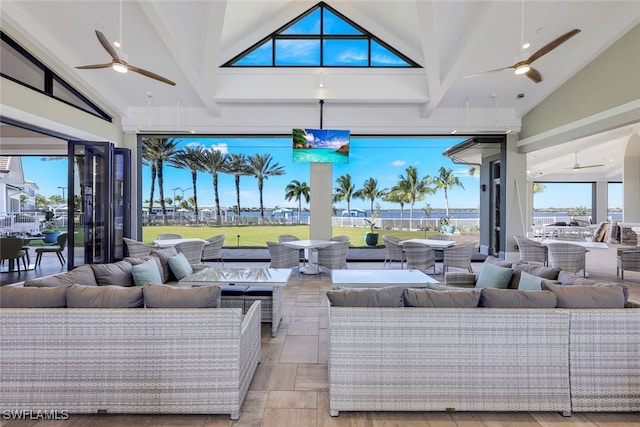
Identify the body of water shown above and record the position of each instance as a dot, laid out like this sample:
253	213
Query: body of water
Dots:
325	155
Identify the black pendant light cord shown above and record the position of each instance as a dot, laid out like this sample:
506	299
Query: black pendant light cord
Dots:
321	107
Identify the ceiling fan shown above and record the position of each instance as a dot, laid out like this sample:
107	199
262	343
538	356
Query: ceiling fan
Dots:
577	166
120	64
523	66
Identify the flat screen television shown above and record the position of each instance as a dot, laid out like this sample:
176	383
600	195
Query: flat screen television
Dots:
320	146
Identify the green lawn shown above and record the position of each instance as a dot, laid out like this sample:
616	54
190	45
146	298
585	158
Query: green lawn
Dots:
256	236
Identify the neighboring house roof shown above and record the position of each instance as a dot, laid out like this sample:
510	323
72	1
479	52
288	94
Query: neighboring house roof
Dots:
5	164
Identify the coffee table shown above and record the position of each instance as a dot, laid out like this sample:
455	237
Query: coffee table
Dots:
380	278
264	284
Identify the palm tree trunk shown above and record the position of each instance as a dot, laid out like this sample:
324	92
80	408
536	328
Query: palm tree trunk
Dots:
446	202
238	195
299	210
260	187
216	197
153	185
161	191
195	195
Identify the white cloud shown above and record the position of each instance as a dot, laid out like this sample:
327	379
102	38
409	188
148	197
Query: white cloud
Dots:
398	163
223	148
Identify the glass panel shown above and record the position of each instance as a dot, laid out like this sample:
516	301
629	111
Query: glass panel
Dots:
121	200
18	67
383	57
349	53
60	91
90	185
310	24
298	52
261	56
337	26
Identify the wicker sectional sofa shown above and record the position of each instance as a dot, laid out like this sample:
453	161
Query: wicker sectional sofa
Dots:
127	360
483	359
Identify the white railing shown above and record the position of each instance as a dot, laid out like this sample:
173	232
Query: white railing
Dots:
404	223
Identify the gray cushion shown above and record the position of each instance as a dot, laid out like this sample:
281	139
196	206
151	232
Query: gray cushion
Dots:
180	266
568	278
82	275
167	296
147	272
164	255
493	276
104	296
529	282
117	273
367	297
513	298
538	270
444	298
497	261
585	296
19	297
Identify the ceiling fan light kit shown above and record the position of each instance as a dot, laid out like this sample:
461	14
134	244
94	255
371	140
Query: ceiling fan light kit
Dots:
522	69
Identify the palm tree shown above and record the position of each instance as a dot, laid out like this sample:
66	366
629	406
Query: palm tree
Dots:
445	181
213	161
148	159
297	190
161	150
344	191
399	195
236	165
259	165
414	188
538	188
190	158
370	192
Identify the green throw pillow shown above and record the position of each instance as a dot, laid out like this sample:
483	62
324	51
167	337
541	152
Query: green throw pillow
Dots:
529	282
180	266
493	276
147	272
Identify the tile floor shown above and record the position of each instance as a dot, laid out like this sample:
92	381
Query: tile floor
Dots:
290	387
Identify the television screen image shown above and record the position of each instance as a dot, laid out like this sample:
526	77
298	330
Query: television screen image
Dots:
320	145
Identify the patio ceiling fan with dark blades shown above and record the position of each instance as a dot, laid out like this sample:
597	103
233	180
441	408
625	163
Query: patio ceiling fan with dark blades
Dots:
119	64
523	66
577	166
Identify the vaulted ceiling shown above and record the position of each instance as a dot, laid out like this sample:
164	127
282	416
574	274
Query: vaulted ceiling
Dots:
187	41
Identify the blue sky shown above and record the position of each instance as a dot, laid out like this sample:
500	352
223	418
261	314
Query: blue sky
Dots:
383	159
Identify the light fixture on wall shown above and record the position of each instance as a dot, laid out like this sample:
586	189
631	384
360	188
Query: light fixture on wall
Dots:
321	79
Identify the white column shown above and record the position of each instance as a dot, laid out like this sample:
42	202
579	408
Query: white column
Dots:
516	222
320	204
600	202
631	180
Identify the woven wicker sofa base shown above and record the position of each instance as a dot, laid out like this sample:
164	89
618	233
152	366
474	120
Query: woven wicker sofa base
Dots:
146	361
466	359
243	297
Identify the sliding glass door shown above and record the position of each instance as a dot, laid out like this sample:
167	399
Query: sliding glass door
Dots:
98	176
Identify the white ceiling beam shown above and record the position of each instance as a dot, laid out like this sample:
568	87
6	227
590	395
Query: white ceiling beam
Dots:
469	45
429	39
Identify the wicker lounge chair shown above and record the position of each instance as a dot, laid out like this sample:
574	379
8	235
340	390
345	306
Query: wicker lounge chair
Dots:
567	256
532	251
628	259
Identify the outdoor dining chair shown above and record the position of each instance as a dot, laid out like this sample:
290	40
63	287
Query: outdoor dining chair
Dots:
532	251
333	256
419	256
459	256
213	250
11	249
283	256
192	250
137	249
567	256
441	237
57	249
394	250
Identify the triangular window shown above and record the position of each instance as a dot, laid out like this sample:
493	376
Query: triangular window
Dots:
321	37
